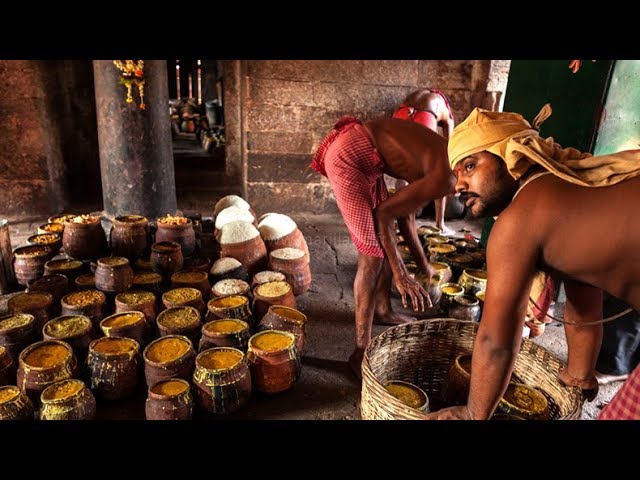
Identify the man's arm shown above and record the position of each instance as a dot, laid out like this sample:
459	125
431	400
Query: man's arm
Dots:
403	203
511	260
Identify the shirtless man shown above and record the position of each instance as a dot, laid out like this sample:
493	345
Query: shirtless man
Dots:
354	158
551	225
429	107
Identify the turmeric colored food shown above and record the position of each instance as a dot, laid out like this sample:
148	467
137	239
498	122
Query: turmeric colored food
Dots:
47	355
84	298
189	276
85	219
112	345
173	220
14	321
407	394
63	264
62	218
32	251
229	302
442	248
273	289
146	278
290	314
220	359
224	326
122	320
181	295
32	300
179	317
131	218
169	388
63	389
167	349
8	394
45	239
67	327
451	290
133	297
113	261
86	280
477	274
271	341
526	399
52	227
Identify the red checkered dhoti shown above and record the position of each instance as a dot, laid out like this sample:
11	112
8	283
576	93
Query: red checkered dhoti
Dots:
348	158
625	405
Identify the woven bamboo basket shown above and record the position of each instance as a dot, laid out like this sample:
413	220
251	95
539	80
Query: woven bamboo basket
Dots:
422	352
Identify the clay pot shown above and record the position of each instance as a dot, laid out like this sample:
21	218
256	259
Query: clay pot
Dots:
193	279
14	404
166	258
7	368
434	239
481	296
465	307
231	286
56	228
473	281
232	306
458	262
113	274
76	330
16	332
218	273
67	400
273	360
169	400
114	367
222	381
142	264
225	332
443	270
197	263
67	267
182	234
126	324
438	252
252	254
524	401
84	241
456	388
295	239
184	297
44	363
170	356
449	292
148	281
85	282
130	236
51	241
38	304
409	394
271	293
28	263
183	320
90	303
286	319
295	266
139	301
267	276
56	285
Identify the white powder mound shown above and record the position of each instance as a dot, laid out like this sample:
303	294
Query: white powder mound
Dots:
268	276
231	214
264	215
238	231
230	201
231	286
275	226
288	253
224	264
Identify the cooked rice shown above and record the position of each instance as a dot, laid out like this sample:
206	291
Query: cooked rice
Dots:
288	253
275	226
236	232
229	201
231	286
231	214
224	265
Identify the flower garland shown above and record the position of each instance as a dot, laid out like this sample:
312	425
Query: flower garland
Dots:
132	74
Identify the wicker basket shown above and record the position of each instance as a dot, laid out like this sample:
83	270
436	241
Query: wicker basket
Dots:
422	352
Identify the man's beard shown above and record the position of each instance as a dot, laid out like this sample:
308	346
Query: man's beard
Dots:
495	200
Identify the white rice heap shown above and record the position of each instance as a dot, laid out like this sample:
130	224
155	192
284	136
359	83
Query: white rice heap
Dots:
268	276
237	231
231	286
231	214
230	201
288	253
276	225
224	264
264	215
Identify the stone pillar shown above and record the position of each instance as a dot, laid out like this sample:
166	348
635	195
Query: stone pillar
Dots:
136	154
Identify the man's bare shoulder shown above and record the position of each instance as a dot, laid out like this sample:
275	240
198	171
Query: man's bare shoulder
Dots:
399	128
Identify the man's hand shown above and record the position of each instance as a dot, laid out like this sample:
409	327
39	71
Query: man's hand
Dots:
451	413
410	287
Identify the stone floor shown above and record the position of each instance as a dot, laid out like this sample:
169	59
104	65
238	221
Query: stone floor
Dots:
327	389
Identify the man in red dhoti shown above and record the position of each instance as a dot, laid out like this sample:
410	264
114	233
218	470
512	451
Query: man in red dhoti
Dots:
354	157
429	107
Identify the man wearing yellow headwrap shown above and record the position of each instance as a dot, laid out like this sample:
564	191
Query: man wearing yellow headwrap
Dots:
561	211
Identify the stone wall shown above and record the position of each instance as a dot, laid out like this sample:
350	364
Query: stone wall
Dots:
48	147
288	106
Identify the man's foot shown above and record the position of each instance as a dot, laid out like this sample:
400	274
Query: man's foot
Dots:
355	362
605	379
446	231
392	318
589	386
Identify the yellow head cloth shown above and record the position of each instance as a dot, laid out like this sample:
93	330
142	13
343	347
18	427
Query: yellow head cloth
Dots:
514	140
